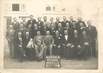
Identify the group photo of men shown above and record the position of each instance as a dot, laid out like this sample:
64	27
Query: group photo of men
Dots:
39	37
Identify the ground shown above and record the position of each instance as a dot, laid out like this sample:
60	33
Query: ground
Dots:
91	63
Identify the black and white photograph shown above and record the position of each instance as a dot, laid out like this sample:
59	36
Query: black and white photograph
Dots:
51	34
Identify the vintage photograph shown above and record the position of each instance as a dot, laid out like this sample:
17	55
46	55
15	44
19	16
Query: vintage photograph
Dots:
51	34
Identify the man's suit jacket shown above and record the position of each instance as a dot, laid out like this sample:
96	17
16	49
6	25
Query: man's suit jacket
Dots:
64	23
58	40
38	40
92	32
32	22
48	40
66	40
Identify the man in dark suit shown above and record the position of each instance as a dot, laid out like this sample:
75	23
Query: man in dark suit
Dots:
92	32
67	26
45	25
79	21
24	21
57	50
35	29
49	42
40	25
15	24
20	52
10	38
45	21
67	43
64	21
29	51
57	22
71	20
60	29
52	23
52	31
76	40
52	27
85	43
32	21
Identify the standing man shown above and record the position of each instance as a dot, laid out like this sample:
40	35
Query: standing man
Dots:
30	23
57	22
31	20
45	23
40	25
60	29
10	37
35	29
52	27
64	21
15	24
20	52
85	43
79	21
92	32
76	40
71	21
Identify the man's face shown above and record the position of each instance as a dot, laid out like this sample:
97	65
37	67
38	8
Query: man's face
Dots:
51	19
67	24
74	24
21	25
79	19
38	33
45	18
11	26
57	33
65	32
19	33
57	19
71	18
84	32
35	26
89	23
29	26
64	18
81	24
39	18
48	32
15	19
60	25
23	19
31	16
75	31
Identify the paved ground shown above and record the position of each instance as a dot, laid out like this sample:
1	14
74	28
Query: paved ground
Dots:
91	63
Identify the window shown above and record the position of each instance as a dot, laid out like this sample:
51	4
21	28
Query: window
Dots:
15	7
48	8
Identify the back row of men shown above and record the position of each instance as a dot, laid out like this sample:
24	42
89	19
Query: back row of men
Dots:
66	38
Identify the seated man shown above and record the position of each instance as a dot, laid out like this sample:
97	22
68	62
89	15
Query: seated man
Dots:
48	41
57	44
67	45
39	46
